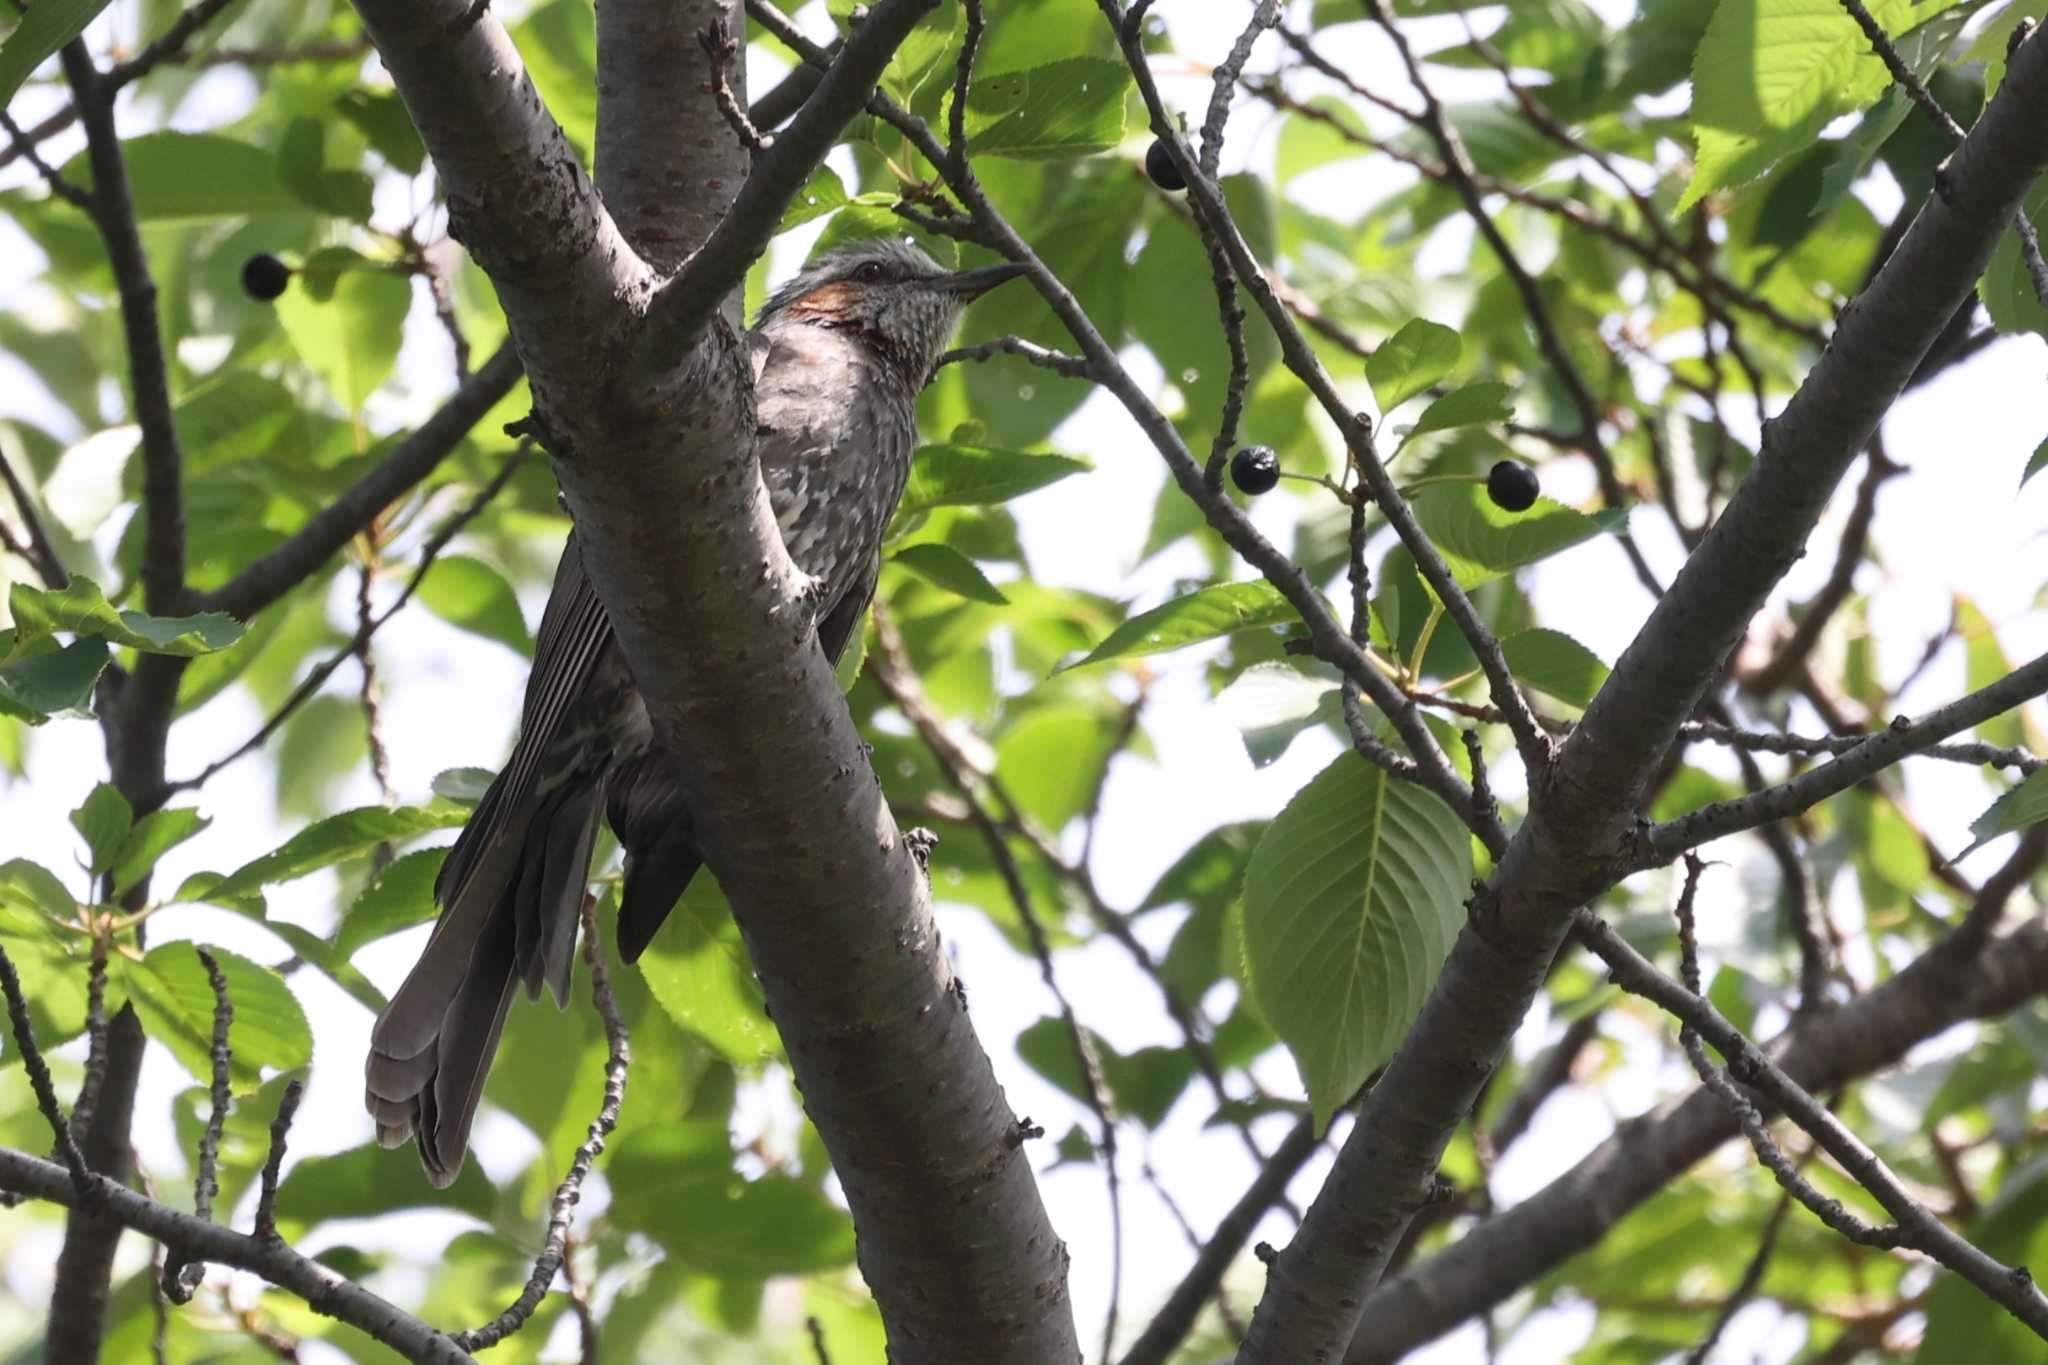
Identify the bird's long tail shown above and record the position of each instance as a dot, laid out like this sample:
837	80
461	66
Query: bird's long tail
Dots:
511	893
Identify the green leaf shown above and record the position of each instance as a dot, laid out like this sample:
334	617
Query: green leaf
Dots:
2006	287
701	976
1480	541
47	26
469	593
1553	662
1984	663
51	684
1206	614
949	569
154	835
1475	403
710	1219
398	897
83	610
2023	805
1058	111
200	176
330	841
104	821
464	786
32	891
172	992
2035	463
369	1180
1142	1085
1351	903
302	166
972	476
351	340
1411	360
1770	74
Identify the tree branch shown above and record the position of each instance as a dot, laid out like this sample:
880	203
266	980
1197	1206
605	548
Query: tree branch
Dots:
333	526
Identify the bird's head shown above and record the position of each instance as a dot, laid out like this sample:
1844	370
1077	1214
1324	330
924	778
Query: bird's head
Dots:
889	293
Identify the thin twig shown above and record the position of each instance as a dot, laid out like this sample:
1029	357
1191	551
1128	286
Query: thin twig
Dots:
1752	1276
554	1249
87	1184
95	1033
24	147
963	73
1071	366
720	47
273	1163
179	1280
1265	14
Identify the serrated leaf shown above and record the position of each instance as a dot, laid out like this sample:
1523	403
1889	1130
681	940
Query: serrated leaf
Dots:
710	1219
823	193
947	568
330	841
302	167
1480	541
2006	286
469	593
700	975
1770	74
2035	463
1411	360
83	609
154	835
1351	903
32	891
1475	403
1065	109
45	27
1553	662
1206	614
103	821
172	992
398	897
54	683
380	116
951	475
1142	1085
2024	805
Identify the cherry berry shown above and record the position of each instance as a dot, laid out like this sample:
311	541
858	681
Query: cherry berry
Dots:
1512	486
264	276
1255	469
1159	165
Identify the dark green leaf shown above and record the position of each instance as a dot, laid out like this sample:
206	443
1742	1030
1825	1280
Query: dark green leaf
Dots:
1351	902
706	1216
2021	806
398	897
369	1180
47	26
1064	109
1472	404
1206	614
302	167
33	892
966	476
350	340
381	118
1479	540
154	835
330	841
2035	463
465	786
53	683
1553	662
699	972
200	176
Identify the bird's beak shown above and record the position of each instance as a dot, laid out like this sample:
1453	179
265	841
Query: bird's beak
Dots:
973	284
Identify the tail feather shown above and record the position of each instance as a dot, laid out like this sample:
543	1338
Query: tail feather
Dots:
653	824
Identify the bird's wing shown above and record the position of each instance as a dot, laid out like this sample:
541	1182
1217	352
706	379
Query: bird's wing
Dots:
574	634
838	626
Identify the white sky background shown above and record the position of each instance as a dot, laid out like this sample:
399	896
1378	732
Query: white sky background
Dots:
450	699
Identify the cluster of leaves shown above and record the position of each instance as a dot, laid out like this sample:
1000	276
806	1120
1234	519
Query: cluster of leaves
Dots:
1321	930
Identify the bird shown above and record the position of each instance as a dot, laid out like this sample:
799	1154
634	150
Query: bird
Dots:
839	355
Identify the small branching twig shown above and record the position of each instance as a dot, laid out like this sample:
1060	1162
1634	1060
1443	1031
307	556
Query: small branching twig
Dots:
963	73
555	1247
39	1080
1265	15
95	1034
1071	366
816	1329
24	146
179	1280
273	1164
720	47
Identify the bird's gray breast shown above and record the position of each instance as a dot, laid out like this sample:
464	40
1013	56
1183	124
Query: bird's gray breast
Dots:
836	432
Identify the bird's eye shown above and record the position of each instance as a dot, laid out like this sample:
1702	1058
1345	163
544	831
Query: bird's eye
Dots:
869	271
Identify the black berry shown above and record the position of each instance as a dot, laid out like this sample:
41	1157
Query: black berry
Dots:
1159	165
1255	469
1512	486
264	276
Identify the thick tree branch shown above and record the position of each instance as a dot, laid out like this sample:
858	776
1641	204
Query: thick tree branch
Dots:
324	1290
